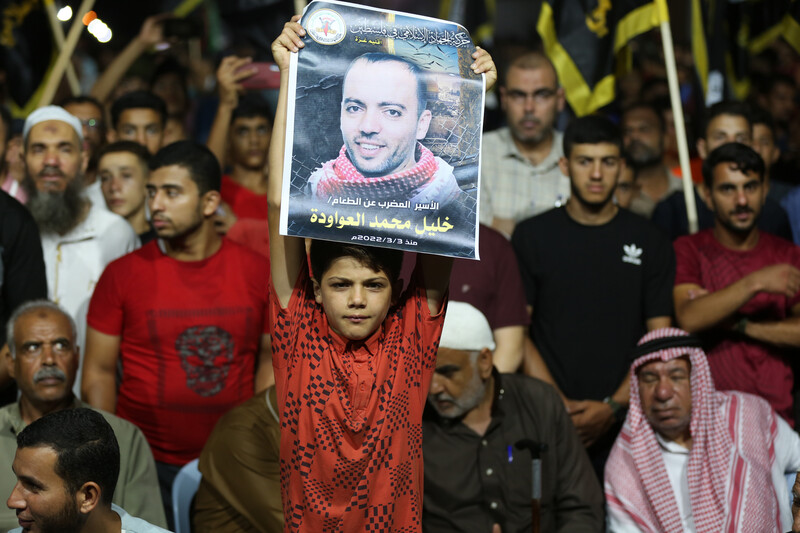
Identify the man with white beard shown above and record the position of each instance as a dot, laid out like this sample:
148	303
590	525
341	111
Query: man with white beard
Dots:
78	238
476	477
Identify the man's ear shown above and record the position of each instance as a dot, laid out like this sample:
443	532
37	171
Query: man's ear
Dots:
705	195
8	361
563	165
211	201
88	497
84	160
503	96
317	291
485	363
423	124
702	148
560	99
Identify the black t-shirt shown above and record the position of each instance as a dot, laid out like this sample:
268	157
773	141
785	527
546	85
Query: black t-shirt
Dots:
592	288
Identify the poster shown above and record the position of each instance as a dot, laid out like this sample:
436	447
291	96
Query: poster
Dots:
384	124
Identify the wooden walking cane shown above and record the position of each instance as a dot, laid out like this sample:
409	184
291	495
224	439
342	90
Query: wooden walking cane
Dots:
535	449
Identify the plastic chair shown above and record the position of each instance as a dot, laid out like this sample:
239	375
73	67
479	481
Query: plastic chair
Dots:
183	490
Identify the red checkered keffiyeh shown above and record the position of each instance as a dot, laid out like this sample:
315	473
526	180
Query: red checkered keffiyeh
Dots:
341	178
729	469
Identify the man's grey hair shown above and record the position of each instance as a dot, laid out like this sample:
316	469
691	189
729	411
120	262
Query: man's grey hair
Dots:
29	307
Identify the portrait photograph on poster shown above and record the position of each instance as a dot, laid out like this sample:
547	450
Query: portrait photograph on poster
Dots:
384	126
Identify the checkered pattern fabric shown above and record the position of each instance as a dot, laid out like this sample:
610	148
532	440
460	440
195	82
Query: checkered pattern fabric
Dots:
732	452
351	415
341	178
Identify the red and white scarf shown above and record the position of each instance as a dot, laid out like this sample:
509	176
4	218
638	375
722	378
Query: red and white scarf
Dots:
341	178
729	469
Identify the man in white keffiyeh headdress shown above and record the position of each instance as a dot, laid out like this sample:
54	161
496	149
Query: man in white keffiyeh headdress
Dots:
691	458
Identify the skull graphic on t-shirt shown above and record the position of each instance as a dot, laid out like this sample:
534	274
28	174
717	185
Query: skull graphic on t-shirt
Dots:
206	354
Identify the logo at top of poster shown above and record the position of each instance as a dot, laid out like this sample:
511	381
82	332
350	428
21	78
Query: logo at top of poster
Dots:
326	26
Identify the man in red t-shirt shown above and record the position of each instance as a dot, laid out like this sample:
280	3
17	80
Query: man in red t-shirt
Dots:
739	286
185	316
353	362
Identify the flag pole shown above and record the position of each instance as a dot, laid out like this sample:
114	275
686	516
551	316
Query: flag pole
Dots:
58	35
66	53
677	114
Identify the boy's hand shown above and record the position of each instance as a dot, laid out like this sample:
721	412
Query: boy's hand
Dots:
290	40
228	78
483	64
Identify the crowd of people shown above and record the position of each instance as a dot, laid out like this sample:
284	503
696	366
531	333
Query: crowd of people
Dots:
599	369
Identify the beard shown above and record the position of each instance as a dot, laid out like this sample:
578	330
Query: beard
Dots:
643	156
65	520
56	212
576	193
471	396
740	230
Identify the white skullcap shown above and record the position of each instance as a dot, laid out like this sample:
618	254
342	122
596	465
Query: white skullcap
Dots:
52	112
465	328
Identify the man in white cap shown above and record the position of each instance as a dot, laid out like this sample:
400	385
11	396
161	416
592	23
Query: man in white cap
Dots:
691	458
78	238
477	477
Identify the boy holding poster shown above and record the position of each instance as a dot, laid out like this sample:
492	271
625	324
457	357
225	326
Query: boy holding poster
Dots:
353	361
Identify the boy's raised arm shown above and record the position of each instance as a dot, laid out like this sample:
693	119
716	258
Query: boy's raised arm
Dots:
436	269
286	253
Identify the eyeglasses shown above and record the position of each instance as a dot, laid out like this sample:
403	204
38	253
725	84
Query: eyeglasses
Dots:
92	124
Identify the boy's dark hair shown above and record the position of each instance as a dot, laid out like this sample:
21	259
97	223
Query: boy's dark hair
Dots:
138	100
760	115
203	167
85	444
382	57
133	147
324	253
744	159
251	106
82	99
649	107
731	107
591	129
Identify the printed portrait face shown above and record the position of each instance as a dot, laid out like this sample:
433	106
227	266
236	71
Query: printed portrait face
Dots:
380	116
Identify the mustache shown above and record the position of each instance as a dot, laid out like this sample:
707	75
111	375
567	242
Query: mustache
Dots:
443	397
49	372
51	170
740	210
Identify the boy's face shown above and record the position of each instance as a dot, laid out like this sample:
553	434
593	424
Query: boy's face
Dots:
355	298
122	180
